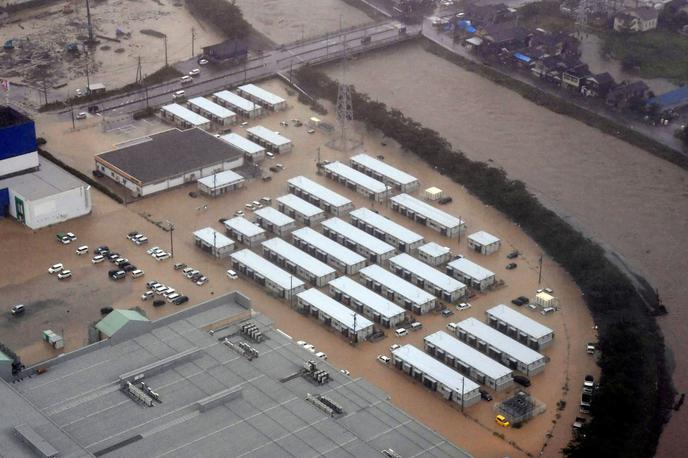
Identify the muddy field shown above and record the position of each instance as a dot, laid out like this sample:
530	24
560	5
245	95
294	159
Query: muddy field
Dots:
25	279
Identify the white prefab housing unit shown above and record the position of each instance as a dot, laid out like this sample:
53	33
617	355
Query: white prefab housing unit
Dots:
251	151
385	229
484	242
274	221
211	110
184	117
470	273
300	209
236	103
546	300
221	183
266	274
433	193
520	327
365	301
269	139
245	231
334	314
468	361
263	97
358	181
436	376
358	240
434	254
397	289
296	261
328	251
319	195
426	214
384	172
214	242
432	280
500	347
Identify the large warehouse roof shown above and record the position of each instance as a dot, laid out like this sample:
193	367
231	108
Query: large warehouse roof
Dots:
357	291
329	246
435	369
268	135
358	236
501	342
236	100
384	169
467	354
244	144
184	113
212	107
519	321
397	284
427	210
334	309
424	271
267	269
299	205
262	94
168	154
353	175
471	269
386	225
298	257
319	191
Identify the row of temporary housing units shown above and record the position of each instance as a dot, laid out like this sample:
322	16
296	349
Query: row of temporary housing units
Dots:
426	214
299	209
332	313
214	242
385	173
357	181
403	239
220	183
375	250
319	195
328	251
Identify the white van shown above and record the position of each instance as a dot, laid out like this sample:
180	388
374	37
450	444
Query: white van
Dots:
179	95
17	309
82	250
401	332
137	273
452	327
416	325
547	311
172	297
186	79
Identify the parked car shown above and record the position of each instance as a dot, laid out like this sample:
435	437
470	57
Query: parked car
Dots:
463	306
401	332
162	256
239	213
81	115
17	309
103	249
97	259
524	299
82	250
588	383
383	359
105	310
195	72
203	62
202	281
310	348
517	301
180	300
63	238
142	240
136	273
590	348
55	268
511	266
266	200
345	372
522	380
502	421
447	313
270	155
512	255
71	236
394	347
485	395
321	355
147	295
179	266
158	303
132	234
444	200
117	274
65	274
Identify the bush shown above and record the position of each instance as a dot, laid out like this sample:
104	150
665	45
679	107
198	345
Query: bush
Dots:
226	16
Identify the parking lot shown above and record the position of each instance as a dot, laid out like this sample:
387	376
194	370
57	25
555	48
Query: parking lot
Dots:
68	306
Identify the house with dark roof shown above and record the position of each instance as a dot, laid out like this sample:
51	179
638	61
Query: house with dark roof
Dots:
597	85
572	77
167	159
553	43
625	94
489	14
636	20
671	101
230	50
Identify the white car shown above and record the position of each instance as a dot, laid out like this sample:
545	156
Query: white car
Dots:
195	72
147	295
311	131
301	343
345	372
97	259
203	62
394	347
232	275
162	256
239	213
55	268
401	332
310	348
82	250
270	155
64	274
463	306
383	359
321	355
152	250
81	116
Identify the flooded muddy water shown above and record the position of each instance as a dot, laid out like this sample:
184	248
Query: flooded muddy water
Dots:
631	201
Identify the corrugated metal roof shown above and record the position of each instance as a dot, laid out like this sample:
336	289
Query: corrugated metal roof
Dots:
115	320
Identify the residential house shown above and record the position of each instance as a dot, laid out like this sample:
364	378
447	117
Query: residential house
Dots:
626	94
497	37
670	102
552	44
597	85
489	14
572	77
636	20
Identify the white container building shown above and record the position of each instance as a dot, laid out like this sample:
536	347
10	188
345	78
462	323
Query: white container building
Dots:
426	214
334	314
261	96
382	171
296	261
236	103
365	301
274	221
434	254
245	231
271	140
319	195
431	280
183	117
436	376
500	347
221	183
433	193
213	242
468	361
327	250
211	110
357	181
484	242
397	289
519	327
385	229
252	151
470	273
545	300
358	240
300	209
263	272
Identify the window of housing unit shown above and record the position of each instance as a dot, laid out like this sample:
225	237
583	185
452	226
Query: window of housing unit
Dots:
512	363
260	279
492	353
482	346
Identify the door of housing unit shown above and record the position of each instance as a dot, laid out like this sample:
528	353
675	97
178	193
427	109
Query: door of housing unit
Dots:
19	205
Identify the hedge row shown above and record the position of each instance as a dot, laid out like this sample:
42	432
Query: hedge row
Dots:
635	392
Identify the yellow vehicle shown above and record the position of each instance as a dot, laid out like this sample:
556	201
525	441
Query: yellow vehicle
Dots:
502	421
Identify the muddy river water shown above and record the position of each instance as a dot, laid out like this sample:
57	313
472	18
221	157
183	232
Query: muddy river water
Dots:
635	203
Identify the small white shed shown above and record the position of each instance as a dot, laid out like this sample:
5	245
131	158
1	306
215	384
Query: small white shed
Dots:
433	193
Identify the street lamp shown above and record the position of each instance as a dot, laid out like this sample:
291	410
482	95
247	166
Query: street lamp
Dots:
170	226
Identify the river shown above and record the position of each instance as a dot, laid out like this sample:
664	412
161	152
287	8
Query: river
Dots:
632	201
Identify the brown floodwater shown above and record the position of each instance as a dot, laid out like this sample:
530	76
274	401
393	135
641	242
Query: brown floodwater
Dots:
631	201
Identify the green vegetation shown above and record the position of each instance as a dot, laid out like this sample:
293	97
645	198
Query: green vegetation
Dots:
658	53
636	394
224	15
546	15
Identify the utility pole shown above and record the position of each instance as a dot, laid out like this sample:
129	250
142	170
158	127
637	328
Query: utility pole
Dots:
165	40
88	77
463	381
45	91
90	24
540	271
71	105
171	228
145	88
139	76
355	336
193	42
460	224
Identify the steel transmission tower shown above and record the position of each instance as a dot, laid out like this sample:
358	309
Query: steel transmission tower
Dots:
344	138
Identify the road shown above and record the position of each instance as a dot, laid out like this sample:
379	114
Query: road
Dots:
282	59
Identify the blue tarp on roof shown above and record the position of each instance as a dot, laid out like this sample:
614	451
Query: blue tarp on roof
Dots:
471	29
522	57
672	99
463	24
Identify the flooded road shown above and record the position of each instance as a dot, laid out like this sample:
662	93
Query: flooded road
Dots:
634	202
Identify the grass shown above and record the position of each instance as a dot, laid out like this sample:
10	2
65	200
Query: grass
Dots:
657	53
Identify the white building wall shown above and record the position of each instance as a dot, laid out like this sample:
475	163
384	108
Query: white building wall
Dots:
53	209
19	163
